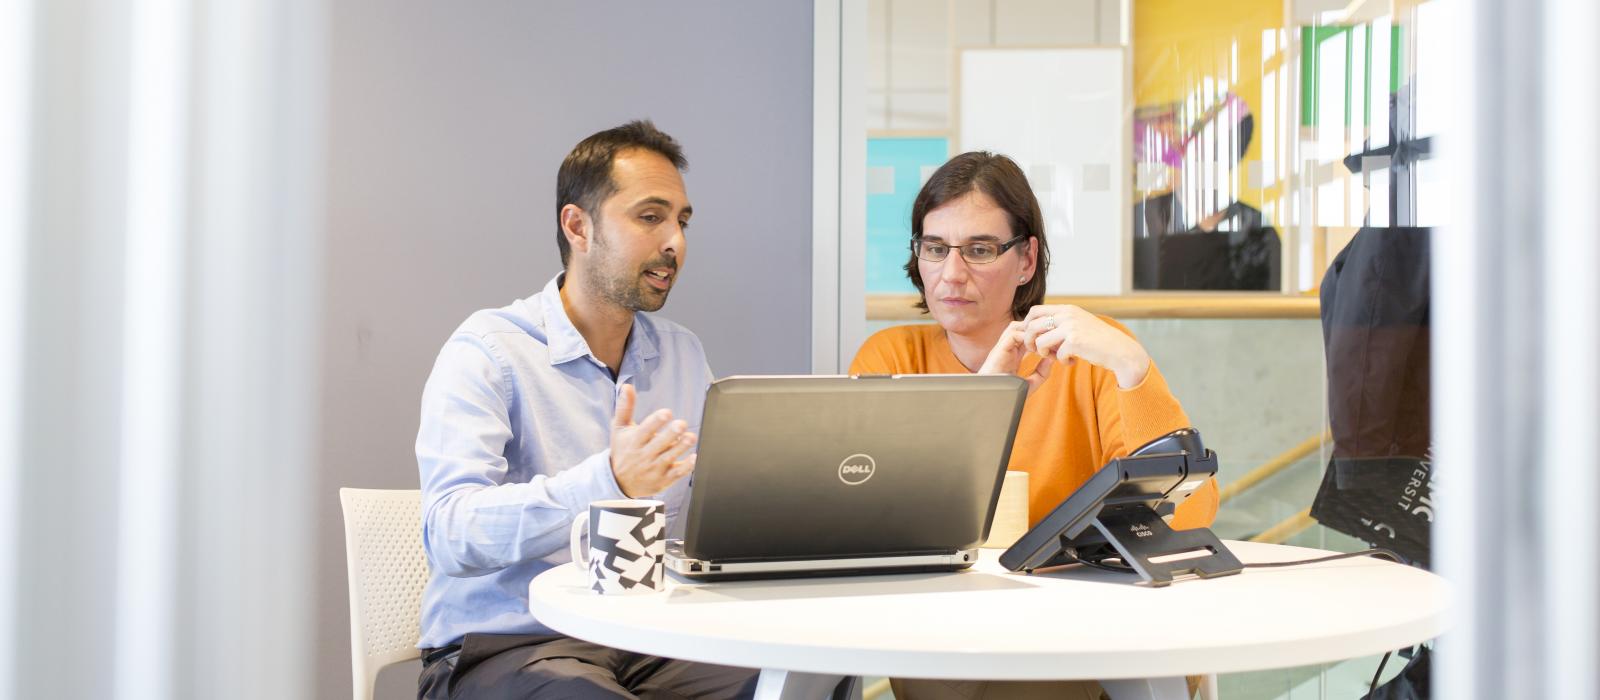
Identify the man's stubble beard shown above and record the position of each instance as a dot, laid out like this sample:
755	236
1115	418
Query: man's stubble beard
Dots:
623	287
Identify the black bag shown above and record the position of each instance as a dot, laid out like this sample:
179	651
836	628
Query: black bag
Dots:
1384	501
1375	317
1411	684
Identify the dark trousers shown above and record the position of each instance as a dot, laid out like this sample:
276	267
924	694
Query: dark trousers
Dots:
516	667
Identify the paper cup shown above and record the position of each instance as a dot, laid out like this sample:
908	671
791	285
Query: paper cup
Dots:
1011	514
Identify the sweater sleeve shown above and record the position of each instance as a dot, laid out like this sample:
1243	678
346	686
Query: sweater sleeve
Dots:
1131	417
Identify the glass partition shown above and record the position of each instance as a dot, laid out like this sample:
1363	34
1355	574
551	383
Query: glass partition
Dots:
1202	168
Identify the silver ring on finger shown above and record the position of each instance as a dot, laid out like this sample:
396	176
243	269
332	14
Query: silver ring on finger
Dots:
1049	323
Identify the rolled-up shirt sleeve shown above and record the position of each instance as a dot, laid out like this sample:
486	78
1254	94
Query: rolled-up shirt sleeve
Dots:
474	522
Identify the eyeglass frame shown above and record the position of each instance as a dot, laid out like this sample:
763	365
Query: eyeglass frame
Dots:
1005	246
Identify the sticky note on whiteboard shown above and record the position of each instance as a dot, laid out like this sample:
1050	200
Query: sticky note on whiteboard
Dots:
880	180
1096	177
1042	176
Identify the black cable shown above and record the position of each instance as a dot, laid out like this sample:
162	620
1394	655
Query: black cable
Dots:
1114	568
1373	689
1374	552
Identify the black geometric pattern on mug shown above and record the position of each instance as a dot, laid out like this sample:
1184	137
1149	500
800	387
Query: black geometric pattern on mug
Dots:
622	543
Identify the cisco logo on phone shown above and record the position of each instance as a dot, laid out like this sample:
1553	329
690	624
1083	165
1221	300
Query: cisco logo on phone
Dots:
856	469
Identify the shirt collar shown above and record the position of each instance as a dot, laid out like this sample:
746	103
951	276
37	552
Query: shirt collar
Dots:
567	344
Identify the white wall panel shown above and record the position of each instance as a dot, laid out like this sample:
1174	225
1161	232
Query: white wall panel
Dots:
1058	113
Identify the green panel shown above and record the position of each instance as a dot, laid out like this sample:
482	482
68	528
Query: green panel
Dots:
1366	80
1308	75
1394	58
1349	53
1310	39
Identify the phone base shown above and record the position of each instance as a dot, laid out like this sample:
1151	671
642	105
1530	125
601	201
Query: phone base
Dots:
1144	542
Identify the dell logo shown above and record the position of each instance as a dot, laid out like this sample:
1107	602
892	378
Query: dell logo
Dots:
856	469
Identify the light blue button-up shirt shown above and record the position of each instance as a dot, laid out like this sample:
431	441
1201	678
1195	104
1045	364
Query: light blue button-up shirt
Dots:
514	442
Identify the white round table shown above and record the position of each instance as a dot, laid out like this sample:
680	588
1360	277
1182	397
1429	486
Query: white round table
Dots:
988	623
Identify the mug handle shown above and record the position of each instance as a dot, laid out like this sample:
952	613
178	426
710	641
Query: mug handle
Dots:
580	524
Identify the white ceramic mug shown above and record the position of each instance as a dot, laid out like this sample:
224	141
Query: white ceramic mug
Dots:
627	541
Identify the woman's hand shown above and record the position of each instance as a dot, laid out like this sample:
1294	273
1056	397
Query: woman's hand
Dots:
1006	357
1067	332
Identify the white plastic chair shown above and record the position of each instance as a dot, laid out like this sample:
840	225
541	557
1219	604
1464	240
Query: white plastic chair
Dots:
388	570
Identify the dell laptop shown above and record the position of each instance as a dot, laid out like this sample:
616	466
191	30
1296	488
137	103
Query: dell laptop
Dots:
834	475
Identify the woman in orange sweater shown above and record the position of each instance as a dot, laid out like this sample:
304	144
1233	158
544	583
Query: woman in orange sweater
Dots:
979	257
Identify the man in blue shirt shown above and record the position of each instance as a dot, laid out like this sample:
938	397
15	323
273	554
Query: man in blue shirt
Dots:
529	415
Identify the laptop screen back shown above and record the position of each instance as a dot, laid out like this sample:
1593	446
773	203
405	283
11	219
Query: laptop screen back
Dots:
823	467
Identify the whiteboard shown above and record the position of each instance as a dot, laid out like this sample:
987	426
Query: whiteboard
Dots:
1059	114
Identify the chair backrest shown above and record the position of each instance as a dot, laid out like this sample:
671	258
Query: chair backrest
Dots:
388	571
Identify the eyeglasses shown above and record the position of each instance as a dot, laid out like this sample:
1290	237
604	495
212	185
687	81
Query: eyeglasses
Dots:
977	252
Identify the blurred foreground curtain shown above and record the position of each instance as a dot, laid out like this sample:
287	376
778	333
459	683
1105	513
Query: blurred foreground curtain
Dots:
158	256
1516	380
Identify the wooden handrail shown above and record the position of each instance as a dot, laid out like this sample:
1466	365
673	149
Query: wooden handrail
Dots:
878	689
901	307
1274	465
1289	527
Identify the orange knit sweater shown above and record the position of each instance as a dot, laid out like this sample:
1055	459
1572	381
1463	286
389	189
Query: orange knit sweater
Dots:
1074	423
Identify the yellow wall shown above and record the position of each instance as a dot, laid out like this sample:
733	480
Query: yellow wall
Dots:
1178	43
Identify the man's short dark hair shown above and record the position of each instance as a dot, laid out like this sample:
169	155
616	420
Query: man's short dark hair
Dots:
1001	179
585	176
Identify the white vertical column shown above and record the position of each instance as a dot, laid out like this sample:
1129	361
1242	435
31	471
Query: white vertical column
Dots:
152	351
1516	334
249	463
16	53
838	189
158	214
1571	343
825	246
852	180
1457	359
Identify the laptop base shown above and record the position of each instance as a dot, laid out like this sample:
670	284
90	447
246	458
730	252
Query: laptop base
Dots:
681	564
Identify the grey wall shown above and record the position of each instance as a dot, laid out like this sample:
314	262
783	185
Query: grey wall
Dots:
447	122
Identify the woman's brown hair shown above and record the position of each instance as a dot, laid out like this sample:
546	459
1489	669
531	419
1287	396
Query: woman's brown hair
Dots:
998	177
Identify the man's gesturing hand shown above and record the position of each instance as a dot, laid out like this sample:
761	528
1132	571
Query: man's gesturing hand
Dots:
647	457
